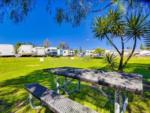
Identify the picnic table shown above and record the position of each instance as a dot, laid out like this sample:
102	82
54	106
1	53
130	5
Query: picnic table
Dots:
55	102
118	81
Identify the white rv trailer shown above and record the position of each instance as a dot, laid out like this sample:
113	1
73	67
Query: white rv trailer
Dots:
68	52
60	52
71	53
144	53
39	51
7	50
52	51
25	50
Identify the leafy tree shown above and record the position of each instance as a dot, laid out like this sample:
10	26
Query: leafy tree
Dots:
99	51
77	10
137	26
18	44
46	43
122	27
74	12
76	51
63	45
15	10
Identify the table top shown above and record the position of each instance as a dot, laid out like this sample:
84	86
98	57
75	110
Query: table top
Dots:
122	81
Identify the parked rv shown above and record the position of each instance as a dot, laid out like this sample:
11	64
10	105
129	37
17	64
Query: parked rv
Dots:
81	54
60	52
68	52
145	53
65	52
25	50
39	51
52	51
71	53
7	50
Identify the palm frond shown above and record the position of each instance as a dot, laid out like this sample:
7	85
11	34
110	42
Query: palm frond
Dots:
110	59
137	25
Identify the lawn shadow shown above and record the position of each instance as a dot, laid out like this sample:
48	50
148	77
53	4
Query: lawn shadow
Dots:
13	96
143	69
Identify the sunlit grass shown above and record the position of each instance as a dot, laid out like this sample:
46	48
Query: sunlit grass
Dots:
16	72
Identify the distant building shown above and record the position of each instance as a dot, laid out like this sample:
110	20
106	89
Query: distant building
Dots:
89	52
137	52
127	52
144	53
39	51
111	52
25	50
7	50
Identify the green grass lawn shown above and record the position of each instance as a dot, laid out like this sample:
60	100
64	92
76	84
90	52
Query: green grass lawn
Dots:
16	72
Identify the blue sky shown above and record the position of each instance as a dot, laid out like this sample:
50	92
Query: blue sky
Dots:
39	25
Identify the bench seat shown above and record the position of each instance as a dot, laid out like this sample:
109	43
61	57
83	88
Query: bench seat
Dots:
56	103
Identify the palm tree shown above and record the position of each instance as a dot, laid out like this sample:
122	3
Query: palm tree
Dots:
137	26
63	45
122	27
110	27
46	43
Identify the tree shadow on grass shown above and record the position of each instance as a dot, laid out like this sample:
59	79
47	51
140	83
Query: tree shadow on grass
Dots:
13	96
143	69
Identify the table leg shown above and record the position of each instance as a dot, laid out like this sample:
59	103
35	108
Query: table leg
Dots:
31	103
65	85
57	85
125	105
120	102
117	105
103	93
79	85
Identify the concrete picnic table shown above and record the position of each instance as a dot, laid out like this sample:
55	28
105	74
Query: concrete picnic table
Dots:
118	81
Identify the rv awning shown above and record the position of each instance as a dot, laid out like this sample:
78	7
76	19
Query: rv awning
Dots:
122	81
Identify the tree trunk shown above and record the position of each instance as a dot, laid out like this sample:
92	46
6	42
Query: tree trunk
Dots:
120	68
113	45
131	54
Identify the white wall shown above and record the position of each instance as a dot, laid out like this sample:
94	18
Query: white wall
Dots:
65	52
7	50
39	51
25	50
